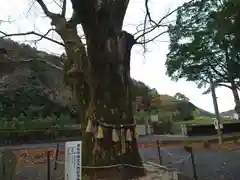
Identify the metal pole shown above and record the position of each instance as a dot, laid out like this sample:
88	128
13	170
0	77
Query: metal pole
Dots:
193	165
56	157
215	104
121	150
159	153
48	166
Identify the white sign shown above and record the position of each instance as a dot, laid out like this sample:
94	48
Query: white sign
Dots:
73	160
215	122
154	118
184	129
235	116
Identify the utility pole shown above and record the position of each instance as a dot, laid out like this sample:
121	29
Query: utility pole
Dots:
215	104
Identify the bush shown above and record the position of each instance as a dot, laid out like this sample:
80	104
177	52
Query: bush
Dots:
236	139
38	123
187	146
164	127
31	136
206	144
24	130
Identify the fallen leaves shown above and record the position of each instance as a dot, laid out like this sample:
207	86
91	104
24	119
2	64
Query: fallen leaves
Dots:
30	157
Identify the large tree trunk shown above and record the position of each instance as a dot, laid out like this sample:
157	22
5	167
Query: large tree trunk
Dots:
236	97
101	80
110	98
231	79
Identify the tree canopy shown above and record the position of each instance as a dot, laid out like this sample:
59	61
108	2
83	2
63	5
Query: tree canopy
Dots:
180	96
204	44
198	44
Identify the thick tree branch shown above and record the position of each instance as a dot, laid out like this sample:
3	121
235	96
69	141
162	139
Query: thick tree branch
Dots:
42	36
85	10
74	19
64	6
92	13
45	10
120	10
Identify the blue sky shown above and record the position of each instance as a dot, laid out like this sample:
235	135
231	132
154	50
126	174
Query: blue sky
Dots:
147	67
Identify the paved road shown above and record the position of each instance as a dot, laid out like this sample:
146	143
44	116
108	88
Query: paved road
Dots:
183	138
145	139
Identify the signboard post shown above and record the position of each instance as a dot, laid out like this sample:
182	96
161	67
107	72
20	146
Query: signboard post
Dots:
216	124
73	160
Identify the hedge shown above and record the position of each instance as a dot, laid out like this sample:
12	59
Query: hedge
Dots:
32	136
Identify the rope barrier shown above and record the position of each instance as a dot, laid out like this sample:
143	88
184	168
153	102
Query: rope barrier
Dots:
104	124
104	167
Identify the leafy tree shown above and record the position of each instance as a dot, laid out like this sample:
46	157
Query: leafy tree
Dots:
200	48
180	96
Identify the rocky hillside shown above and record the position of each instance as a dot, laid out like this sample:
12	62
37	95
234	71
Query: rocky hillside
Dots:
31	84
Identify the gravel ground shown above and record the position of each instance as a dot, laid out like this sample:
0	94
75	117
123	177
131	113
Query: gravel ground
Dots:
209	165
39	172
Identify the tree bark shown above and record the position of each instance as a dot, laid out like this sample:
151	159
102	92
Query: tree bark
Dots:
110	98
76	61
101	79
230	67
236	97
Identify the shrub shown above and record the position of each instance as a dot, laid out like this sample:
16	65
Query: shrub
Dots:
31	136
187	146
206	144
236	139
24	130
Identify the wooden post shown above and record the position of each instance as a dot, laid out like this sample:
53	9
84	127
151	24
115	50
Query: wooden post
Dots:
56	157
193	165
122	140
48	166
8	165
159	153
190	151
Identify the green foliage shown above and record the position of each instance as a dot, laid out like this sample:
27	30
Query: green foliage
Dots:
180	96
28	102
236	139
21	129
201	44
176	128
187	145
167	107
41	135
163	127
28	106
8	165
196	113
22	122
206	144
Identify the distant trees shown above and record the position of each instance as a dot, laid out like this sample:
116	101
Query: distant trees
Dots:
182	97
205	43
